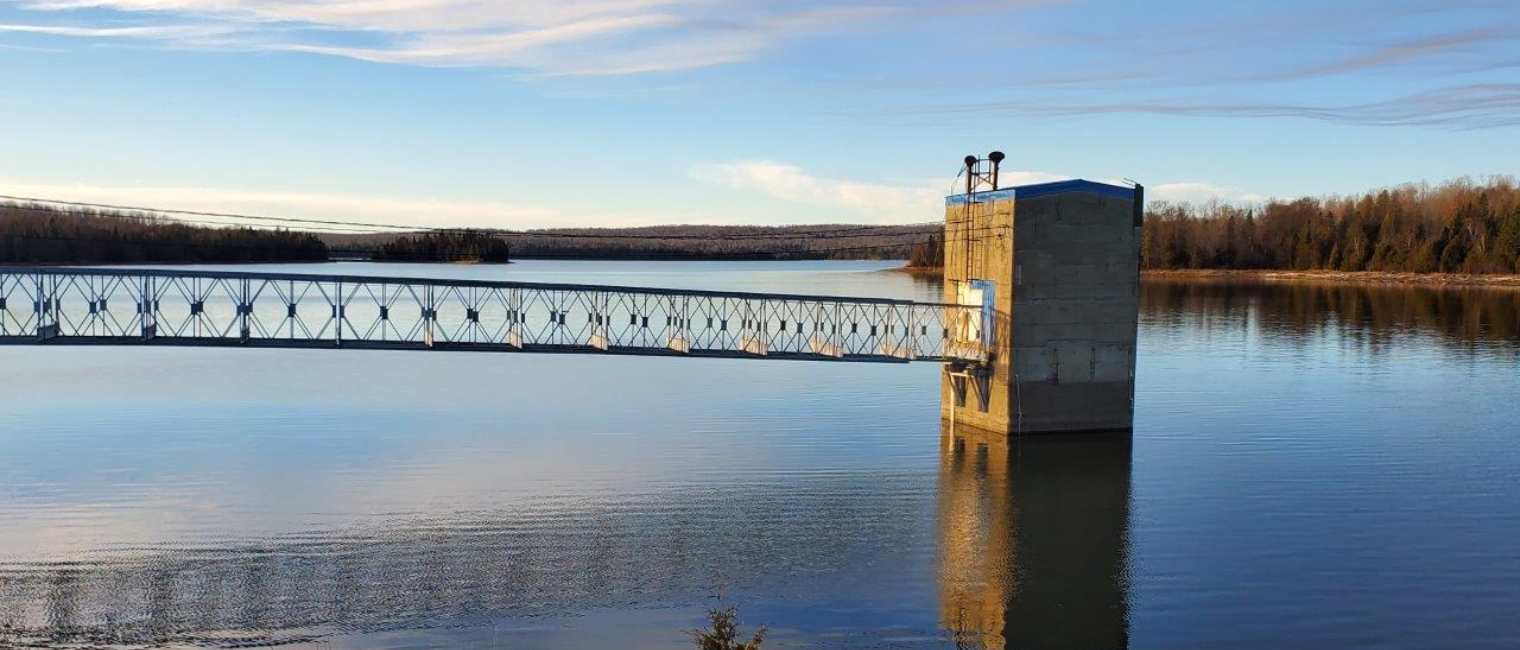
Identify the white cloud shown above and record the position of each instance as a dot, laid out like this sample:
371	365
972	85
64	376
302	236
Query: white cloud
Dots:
841	200
1200	193
1014	178
910	203
875	202
559	37
405	212
147	31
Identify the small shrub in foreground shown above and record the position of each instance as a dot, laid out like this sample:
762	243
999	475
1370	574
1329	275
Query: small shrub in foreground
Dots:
723	633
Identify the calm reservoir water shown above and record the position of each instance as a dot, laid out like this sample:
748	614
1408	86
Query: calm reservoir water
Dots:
1330	467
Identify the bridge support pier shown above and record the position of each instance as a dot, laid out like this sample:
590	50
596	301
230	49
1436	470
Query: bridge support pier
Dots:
1056	268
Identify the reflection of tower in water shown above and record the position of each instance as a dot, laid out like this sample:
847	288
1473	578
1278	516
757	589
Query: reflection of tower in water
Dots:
1034	540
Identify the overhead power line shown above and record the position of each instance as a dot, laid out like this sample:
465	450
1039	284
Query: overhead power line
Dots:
787	244
858	230
644	254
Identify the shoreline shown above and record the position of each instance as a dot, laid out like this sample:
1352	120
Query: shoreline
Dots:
917	271
1379	278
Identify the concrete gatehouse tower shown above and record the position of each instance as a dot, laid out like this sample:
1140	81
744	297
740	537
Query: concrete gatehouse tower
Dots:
1056	267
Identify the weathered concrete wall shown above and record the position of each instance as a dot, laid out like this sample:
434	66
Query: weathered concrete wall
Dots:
979	245
1076	300
1065	264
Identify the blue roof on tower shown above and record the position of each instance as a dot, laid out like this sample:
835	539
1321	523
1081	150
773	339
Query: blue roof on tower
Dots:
1043	189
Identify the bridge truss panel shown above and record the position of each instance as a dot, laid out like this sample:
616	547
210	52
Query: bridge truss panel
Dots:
182	307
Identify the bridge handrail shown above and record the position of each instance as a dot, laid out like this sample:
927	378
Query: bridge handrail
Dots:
442	282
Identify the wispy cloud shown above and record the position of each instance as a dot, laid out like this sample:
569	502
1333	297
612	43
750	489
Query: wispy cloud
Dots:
142	31
1394	63
865	202
1399	52
1284	43
398	211
872	201
907	202
875	202
557	37
1472	106
1193	192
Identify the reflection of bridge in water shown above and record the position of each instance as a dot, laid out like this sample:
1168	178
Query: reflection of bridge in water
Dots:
1032	532
184	307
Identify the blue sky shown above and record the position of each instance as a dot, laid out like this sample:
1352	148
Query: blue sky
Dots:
529	113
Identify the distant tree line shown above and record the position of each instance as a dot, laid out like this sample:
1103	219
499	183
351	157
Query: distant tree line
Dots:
688	242
1456	227
37	234
464	246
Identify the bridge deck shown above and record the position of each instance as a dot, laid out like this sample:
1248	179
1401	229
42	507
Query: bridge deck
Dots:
92	306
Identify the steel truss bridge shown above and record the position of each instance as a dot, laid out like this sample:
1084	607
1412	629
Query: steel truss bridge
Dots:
93	306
